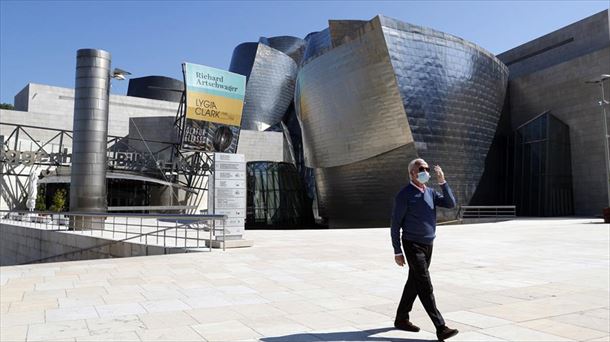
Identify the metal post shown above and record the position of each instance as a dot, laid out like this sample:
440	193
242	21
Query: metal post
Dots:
224	240
90	132
113	220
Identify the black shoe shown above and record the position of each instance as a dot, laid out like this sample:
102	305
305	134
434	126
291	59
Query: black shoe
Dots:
444	332
404	324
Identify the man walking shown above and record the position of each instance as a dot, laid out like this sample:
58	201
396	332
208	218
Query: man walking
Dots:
415	212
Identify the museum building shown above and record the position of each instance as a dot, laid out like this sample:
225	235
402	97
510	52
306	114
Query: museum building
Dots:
330	122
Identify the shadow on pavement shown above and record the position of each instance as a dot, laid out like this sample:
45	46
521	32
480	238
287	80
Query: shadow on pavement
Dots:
360	335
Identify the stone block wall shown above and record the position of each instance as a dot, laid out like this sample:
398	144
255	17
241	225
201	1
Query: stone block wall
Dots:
20	245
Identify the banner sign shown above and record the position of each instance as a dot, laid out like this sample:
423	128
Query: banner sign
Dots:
214	104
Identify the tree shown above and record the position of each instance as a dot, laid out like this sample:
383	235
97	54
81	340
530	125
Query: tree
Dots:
41	201
59	201
6	106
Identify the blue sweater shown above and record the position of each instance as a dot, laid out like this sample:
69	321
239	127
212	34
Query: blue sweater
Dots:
415	213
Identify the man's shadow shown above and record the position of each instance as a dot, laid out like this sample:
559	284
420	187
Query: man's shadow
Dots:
360	335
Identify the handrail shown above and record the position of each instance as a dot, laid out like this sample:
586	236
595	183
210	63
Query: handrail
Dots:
489	206
152	207
486	211
104	226
101	246
91	214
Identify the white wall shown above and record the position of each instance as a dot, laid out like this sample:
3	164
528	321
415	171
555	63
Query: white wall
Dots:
261	146
54	106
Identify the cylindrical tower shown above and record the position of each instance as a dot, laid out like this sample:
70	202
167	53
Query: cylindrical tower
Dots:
89	141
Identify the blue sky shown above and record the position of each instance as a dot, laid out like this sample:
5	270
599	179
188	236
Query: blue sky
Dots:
39	39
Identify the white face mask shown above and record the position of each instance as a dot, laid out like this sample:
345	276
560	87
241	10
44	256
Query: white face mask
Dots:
423	177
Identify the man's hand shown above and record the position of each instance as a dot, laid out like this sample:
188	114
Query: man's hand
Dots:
400	260
440	176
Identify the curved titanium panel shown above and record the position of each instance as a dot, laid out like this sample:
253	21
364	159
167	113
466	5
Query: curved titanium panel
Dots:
342	31
361	194
243	58
269	90
348	104
291	46
453	92
450	94
156	88
90	131
317	44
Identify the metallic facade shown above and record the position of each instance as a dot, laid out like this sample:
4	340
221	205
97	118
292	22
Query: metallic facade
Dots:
453	92
270	83
290	46
156	88
385	93
90	131
317	44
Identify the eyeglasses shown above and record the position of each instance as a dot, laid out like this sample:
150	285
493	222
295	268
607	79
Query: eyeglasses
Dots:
422	169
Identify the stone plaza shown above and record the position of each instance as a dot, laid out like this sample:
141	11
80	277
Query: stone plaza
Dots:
520	280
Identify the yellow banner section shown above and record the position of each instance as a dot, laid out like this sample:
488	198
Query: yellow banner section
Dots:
213	108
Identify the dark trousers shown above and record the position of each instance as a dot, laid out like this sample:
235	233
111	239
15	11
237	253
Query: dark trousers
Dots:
418	284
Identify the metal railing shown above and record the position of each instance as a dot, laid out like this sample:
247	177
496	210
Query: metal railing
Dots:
162	230
176	208
484	211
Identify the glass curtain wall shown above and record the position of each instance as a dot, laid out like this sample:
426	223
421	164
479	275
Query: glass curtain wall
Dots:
543	174
276	196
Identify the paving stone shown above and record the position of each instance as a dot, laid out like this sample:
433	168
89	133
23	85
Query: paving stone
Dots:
64	330
125	336
566	330
529	280
472	336
168	319
33	305
14	333
109	325
71	314
170	334
21	318
475	319
226	331
517	333
164	305
214	315
113	310
581	319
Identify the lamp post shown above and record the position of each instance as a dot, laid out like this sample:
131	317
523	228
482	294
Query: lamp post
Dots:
603	103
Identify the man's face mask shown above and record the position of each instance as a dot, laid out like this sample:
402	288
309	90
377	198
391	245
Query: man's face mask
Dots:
423	176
